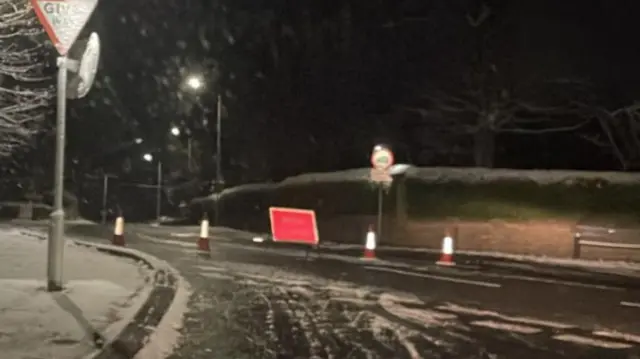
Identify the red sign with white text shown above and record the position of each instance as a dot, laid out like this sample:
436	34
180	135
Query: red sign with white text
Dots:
293	225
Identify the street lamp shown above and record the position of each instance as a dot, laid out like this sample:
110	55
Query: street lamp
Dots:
149	158
175	131
195	82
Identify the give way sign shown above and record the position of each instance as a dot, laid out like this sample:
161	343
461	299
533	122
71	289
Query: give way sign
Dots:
63	20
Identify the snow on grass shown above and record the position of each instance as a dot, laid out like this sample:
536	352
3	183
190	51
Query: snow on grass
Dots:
24	257
466	175
542	177
36	323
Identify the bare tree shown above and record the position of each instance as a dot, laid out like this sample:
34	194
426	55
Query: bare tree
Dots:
24	93
619	132
489	92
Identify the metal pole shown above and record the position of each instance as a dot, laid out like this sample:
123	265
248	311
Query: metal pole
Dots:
159	191
380	199
189	153
218	159
105	191
219	141
56	234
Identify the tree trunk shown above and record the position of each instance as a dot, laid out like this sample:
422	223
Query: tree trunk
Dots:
484	143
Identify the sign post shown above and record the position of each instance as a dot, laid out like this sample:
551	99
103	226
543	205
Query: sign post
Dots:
63	21
381	161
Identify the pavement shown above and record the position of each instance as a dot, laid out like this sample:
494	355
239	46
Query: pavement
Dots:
253	301
100	294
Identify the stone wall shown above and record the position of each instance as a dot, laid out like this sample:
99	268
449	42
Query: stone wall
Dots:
544	238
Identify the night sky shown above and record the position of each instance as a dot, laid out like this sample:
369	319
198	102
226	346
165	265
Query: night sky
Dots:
312	85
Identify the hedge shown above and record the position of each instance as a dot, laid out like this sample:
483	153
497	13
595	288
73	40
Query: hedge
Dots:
436	193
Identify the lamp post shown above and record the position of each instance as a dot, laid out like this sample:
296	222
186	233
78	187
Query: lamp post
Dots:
176	132
195	83
149	158
105	194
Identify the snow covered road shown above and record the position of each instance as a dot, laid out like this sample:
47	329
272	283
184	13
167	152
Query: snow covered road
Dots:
254	304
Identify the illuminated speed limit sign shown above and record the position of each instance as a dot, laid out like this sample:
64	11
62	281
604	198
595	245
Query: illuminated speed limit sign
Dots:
382	158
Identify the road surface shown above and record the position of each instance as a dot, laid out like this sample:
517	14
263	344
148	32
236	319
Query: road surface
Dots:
252	302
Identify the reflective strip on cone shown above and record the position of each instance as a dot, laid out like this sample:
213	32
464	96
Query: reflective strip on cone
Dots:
203	241
118	232
204	229
446	258
370	245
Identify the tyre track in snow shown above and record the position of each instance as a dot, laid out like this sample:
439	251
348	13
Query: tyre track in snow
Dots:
379	325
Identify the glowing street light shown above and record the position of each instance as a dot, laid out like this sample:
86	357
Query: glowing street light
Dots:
138	140
194	82
175	131
147	157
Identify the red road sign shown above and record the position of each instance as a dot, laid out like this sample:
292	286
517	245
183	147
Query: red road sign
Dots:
294	225
382	158
63	20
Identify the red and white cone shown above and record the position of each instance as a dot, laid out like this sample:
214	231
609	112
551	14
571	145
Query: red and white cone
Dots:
370	245
446	257
118	232
203	241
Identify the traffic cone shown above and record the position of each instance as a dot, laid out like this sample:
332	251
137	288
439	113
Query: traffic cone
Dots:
446	257
118	232
203	241
370	245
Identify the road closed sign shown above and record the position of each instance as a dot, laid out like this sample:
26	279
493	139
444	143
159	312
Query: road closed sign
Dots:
293	225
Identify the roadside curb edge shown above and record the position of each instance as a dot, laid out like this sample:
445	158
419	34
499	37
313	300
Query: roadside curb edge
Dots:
139	332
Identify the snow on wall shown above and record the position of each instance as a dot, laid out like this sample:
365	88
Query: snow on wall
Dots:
485	175
355	175
473	175
444	174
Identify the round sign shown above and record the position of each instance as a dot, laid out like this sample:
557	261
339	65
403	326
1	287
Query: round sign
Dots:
382	158
82	81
